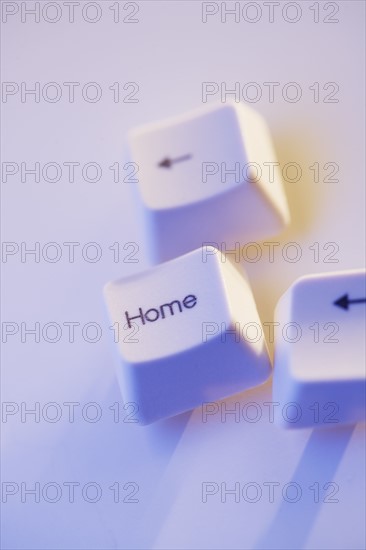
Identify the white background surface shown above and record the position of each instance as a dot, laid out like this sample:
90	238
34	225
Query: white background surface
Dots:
169	53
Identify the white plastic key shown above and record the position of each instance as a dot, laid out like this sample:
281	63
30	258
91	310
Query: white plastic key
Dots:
207	177
319	368
189	333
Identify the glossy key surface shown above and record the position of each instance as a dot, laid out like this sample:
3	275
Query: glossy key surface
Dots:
189	333
319	362
208	176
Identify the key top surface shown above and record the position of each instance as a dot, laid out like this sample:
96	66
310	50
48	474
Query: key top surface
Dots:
320	349
170	156
189	333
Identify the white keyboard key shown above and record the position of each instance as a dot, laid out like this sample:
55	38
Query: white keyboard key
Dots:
189	333
319	363
207	177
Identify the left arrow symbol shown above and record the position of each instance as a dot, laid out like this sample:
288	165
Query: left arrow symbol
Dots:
344	302
168	162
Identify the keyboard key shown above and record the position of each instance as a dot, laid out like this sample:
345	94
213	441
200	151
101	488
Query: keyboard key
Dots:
189	332
319	363
207	177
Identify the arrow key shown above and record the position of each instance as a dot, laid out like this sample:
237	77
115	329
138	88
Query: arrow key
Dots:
319	366
208	176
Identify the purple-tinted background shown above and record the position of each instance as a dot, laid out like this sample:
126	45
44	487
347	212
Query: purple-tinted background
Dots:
168	52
